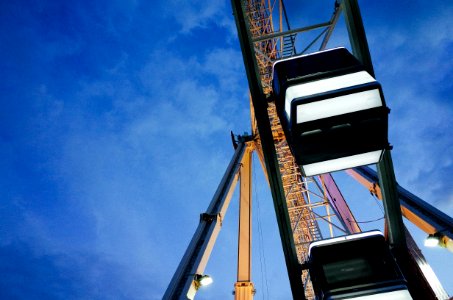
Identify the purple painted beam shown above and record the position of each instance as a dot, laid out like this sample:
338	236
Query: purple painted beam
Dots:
338	203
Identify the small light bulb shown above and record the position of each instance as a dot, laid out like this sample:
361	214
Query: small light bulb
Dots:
431	241
205	280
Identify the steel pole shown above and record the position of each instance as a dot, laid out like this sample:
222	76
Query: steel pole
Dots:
270	157
243	288
183	284
386	173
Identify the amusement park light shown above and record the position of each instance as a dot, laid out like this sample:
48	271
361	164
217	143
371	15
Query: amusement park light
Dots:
203	280
332	111
432	240
439	239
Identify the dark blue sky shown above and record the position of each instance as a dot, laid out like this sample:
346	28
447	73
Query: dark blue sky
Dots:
114	134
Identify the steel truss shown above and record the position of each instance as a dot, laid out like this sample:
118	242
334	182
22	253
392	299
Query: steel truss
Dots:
307	209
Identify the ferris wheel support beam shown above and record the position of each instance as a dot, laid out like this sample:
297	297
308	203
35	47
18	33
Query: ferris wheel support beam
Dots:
333	22
290	32
243	288
357	37
184	283
422	214
270	157
386	174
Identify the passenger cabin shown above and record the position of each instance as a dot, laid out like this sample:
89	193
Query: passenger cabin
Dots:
332	111
358	266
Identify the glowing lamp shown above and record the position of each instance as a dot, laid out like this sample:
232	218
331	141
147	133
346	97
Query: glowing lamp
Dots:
332	110
431	241
203	280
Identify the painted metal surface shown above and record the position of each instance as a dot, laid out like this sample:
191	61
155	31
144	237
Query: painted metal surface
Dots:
245	219
258	85
338	202
183	285
422	214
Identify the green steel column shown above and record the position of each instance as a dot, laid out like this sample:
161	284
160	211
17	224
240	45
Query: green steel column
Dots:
386	173
278	195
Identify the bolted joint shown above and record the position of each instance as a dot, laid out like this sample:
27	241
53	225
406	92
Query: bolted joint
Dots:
270	97
209	218
305	265
245	138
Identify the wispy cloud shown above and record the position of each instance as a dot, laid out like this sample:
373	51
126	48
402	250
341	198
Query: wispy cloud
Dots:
119	151
63	276
114	139
414	66
199	14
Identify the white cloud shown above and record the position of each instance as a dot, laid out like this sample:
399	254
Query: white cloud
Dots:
197	14
201	91
420	127
413	64
159	144
416	53
227	66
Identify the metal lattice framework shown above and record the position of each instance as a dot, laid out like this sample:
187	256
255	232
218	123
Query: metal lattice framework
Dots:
301	197
305	196
307	209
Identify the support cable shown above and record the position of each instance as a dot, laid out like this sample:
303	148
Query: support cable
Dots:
370	221
315	40
264	280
